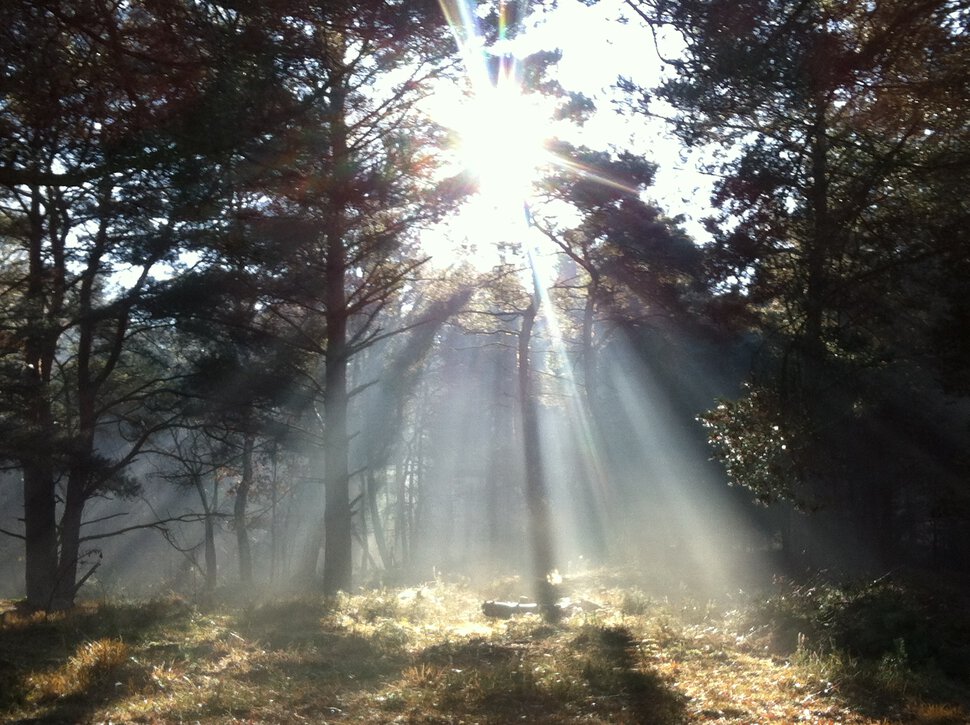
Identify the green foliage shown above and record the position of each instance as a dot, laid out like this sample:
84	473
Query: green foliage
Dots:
836	242
757	441
898	626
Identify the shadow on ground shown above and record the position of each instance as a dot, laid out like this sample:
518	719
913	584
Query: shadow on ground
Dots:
551	675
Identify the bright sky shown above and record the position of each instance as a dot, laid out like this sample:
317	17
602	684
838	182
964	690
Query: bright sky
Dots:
595	50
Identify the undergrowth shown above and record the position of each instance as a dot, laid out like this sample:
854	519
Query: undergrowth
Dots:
886	639
812	653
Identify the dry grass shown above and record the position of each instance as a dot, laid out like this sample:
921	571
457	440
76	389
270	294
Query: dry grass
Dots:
95	666
427	655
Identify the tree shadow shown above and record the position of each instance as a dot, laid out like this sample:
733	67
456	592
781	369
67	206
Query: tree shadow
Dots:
592	674
612	670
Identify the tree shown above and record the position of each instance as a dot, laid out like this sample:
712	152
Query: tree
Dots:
344	192
84	376
633	262
842	144
109	169
193	460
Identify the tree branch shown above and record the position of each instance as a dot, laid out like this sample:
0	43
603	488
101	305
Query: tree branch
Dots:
13	534
158	525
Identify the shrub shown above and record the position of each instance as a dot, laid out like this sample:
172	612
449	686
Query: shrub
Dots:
883	621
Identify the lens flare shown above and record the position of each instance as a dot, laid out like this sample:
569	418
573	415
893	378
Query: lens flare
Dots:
501	141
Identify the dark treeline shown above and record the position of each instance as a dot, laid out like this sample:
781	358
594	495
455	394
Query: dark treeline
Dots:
221	340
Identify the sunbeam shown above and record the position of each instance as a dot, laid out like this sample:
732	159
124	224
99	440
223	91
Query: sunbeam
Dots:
623	477
503	135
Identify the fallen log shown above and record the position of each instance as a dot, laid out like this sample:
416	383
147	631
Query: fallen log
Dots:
504	610
565	606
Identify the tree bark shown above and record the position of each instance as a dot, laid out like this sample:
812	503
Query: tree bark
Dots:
82	469
338	534
40	534
40	514
239	511
591	483
209	542
70	551
376	523
535	485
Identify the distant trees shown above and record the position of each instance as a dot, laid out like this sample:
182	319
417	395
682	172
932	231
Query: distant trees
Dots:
356	186
209	218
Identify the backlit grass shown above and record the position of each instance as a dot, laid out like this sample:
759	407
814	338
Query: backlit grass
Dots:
427	654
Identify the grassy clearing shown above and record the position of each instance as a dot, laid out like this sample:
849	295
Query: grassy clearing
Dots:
427	655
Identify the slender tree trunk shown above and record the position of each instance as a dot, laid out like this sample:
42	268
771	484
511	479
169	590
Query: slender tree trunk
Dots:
79	481
209	541
337	561
40	513
590	482
402	519
535	485
338	533
376	523
589	356
211	563
239	511
274	553
311	554
363	539
70	553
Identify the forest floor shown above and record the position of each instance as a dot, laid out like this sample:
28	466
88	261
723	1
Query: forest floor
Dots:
428	655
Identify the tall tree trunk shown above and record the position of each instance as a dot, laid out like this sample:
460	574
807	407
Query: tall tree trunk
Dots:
40	508
79	480
211	562
376	522
239	511
591	482
70	552
274	543
40	533
589	356
535	485
211	572
402	526
338	533
311	555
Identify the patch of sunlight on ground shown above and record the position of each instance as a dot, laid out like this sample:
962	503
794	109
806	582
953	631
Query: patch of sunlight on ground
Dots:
624	653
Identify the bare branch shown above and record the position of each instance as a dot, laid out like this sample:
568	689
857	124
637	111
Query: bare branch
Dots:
157	525
13	534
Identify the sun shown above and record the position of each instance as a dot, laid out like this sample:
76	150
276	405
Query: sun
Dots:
501	141
499	136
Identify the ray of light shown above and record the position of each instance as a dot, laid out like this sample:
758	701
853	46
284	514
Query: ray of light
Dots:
581	424
584	171
652	482
676	502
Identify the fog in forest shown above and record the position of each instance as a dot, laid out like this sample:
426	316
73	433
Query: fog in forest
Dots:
233	361
438	485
